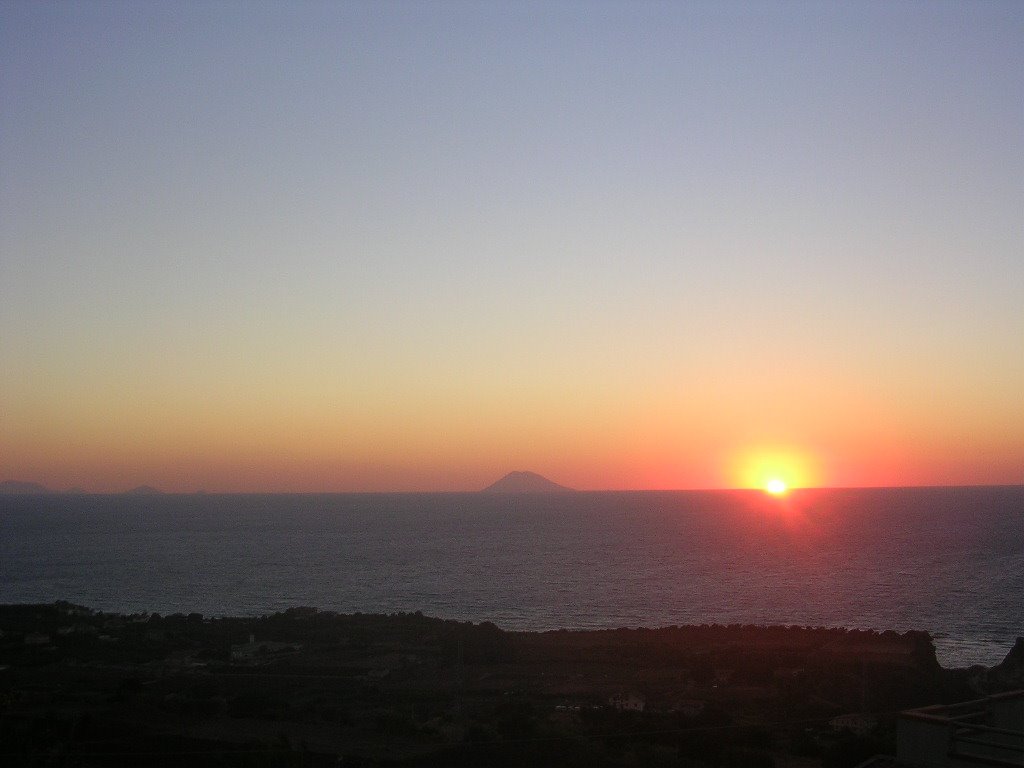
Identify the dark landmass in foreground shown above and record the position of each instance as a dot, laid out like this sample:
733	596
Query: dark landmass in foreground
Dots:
307	687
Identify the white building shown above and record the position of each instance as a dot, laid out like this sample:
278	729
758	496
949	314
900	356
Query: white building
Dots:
859	723
260	650
628	702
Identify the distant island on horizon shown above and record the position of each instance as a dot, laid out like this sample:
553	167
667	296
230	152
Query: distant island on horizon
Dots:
22	487
525	482
144	490
27	488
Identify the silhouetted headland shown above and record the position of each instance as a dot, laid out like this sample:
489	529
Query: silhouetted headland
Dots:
318	688
525	482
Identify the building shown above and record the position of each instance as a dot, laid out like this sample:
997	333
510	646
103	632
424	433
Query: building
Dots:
256	651
859	723
628	702
689	707
983	732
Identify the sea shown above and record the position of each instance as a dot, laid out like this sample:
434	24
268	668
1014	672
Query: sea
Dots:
946	560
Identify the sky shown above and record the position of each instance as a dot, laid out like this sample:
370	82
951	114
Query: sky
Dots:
412	246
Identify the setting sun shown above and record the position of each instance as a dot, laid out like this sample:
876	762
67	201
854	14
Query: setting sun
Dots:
776	470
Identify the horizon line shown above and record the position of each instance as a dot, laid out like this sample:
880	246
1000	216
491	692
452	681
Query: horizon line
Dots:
565	491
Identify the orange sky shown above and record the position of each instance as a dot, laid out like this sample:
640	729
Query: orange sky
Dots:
667	445
655	246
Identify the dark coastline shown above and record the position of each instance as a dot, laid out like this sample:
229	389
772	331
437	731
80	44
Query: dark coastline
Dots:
305	687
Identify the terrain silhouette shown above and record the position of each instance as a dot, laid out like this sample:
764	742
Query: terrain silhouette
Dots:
318	688
144	490
21	487
525	482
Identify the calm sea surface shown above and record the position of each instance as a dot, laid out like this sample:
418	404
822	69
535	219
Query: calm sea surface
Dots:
947	560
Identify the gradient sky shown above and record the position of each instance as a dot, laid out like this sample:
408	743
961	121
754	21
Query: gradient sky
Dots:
415	245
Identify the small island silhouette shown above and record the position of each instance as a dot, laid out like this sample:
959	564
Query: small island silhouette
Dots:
525	482
22	488
27	488
144	490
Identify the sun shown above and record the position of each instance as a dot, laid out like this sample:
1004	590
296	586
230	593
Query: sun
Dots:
775	470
